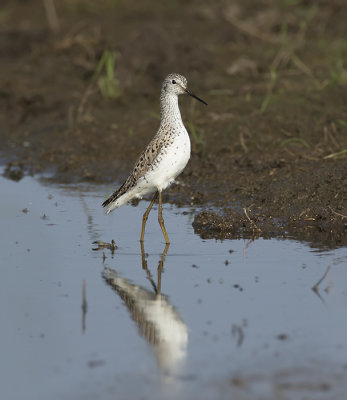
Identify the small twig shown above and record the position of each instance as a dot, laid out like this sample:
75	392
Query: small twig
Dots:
237	331
335	155
301	65
247	28
52	16
336	213
315	287
252	222
332	138
81	106
84	305
246	247
243	143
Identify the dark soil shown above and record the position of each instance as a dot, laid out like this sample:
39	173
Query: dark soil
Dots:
270	150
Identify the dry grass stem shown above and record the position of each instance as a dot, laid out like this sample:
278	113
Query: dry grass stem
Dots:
84	305
52	16
243	143
336	213
251	222
245	27
81	107
315	287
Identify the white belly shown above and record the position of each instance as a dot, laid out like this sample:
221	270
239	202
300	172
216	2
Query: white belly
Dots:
171	162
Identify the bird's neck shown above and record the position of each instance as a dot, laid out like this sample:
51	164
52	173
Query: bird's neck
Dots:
169	110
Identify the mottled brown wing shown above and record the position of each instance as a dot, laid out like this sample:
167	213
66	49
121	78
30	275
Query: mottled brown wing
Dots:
142	165
147	157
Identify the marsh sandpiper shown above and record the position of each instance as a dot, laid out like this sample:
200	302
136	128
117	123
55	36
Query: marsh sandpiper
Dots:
164	158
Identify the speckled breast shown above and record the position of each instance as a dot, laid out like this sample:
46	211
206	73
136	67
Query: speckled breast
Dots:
171	161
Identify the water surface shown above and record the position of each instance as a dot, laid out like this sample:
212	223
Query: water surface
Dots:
210	319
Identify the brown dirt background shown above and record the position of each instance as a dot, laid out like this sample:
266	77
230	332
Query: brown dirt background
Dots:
269	152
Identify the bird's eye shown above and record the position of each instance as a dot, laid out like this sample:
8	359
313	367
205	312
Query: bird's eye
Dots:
173	81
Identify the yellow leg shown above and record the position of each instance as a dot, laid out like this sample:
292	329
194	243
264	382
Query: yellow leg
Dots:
161	266
145	216
161	219
143	256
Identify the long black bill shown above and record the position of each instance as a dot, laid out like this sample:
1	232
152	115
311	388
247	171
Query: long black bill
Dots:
195	97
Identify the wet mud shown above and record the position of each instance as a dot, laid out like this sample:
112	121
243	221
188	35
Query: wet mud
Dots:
269	153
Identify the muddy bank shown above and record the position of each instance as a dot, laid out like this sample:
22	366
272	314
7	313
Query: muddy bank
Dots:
307	203
305	200
269	152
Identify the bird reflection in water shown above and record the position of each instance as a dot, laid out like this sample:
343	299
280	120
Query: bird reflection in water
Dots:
157	319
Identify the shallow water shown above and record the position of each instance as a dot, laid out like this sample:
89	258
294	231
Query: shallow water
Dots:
216	319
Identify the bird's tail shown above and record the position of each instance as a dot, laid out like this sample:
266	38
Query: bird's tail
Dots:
110	207
110	203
